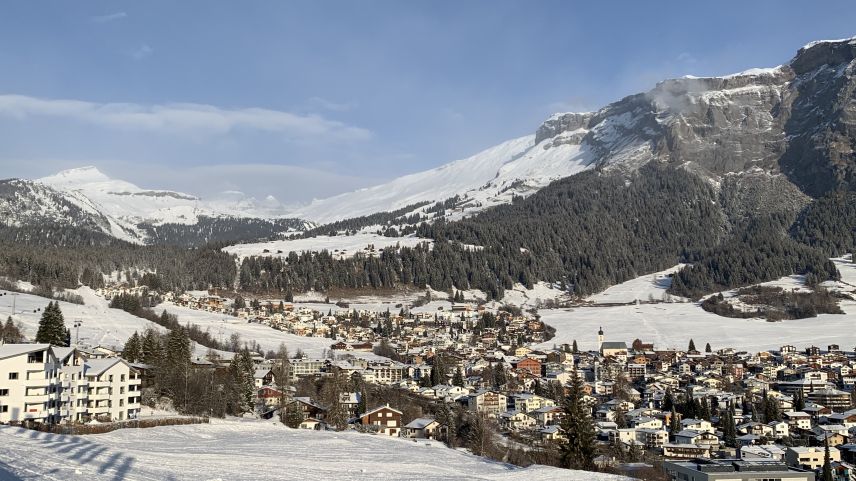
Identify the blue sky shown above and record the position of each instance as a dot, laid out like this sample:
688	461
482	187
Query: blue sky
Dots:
309	99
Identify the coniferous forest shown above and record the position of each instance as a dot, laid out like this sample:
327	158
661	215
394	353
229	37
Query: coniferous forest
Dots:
582	233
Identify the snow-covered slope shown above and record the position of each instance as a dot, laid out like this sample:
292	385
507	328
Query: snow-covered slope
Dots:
125	201
249	450
490	177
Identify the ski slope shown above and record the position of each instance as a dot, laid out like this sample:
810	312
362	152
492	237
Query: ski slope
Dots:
672	325
100	325
249	450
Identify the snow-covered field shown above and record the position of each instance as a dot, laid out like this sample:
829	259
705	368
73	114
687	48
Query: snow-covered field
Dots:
222	326
339	246
643	288
248	450
673	324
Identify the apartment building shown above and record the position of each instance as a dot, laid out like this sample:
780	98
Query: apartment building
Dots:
40	383
29	390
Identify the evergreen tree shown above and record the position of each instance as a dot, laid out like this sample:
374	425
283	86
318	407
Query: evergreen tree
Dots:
133	348
799	400
578	449
707	348
574	348
691	346
458	378
729	428
241	376
11	333
827	462
620	416
674	422
52	326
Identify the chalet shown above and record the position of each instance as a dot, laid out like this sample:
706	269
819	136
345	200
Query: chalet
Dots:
425	428
383	420
530	365
487	402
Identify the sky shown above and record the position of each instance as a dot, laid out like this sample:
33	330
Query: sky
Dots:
307	99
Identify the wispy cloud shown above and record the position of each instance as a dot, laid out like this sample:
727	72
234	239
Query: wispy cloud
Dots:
110	17
182	118
325	104
142	52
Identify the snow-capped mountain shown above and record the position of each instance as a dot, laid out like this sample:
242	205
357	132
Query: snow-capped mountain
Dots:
491	177
796	121
85	198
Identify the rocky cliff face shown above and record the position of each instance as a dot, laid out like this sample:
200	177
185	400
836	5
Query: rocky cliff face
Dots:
796	120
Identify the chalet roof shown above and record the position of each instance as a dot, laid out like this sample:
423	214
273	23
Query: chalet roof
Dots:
62	352
12	350
614	345
420	423
381	408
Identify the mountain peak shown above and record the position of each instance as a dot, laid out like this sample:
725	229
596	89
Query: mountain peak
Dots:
77	175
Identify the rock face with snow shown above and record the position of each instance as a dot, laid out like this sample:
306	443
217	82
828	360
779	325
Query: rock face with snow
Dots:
798	119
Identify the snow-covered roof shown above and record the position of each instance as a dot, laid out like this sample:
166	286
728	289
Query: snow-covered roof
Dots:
12	350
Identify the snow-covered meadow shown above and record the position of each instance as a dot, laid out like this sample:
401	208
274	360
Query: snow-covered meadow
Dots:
341	246
249	450
674	324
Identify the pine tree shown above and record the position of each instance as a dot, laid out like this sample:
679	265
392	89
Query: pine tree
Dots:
674	422
691	346
707	348
827	462
799	400
52	326
729	428
11	333
574	348
458	378
242	384
133	348
578	449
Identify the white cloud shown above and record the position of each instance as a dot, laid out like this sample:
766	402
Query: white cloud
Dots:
110	17
326	104
182	118
142	52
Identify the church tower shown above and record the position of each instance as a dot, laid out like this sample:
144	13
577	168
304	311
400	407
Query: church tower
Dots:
600	339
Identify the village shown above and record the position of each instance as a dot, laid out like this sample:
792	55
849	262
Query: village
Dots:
785	413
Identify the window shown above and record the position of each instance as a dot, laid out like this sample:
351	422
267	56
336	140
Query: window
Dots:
4	392
36	357
4	409
13	376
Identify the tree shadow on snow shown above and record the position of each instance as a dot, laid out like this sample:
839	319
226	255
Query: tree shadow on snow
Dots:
81	451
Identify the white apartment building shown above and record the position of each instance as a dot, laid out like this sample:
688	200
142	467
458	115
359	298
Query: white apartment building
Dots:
29	390
45	384
114	389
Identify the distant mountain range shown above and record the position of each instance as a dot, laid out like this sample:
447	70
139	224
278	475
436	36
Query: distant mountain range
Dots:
784	135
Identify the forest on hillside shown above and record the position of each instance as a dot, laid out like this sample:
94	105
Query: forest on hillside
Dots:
583	233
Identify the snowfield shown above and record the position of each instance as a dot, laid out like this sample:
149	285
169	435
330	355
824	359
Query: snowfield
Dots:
222	326
249	450
486	178
643	288
672	325
340	246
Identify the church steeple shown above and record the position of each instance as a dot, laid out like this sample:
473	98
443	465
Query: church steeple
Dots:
600	338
